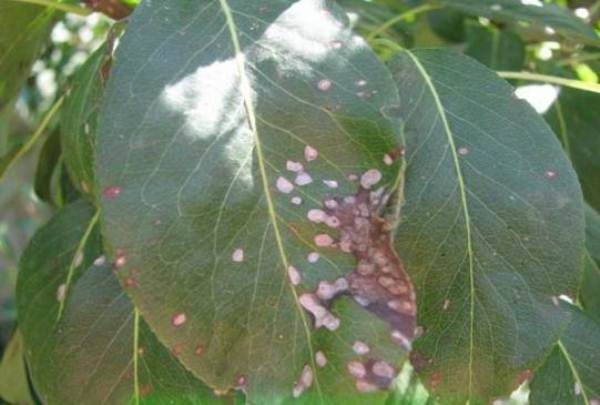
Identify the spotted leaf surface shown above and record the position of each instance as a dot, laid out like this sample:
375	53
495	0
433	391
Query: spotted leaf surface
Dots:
239	142
96	349
549	18
571	374
492	230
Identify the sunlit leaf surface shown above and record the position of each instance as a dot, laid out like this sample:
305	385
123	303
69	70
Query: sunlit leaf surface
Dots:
224	124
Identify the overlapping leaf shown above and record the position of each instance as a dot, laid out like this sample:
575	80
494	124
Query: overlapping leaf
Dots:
84	342
79	119
576	124
24	29
206	104
492	227
495	48
571	374
537	13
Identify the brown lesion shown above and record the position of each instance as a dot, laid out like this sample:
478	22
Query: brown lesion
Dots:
379	283
115	9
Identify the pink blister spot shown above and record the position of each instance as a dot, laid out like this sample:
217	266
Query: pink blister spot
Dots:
112	192
294	275
551	174
320	359
303	178
323	240
324	85
294	166
284	185
178	319
313	257
331	183
310	153
238	255
360	348
370	178
296	200
463	151
317	216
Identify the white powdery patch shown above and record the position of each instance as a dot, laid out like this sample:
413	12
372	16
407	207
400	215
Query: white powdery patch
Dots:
294	275
370	178
61	292
320	359
313	257
178	319
324	85
331	204
535	3
360	348
322	316
296	200
327	290
331	183
78	259
238	255
310	153
323	240
316	215
303	178
294	166
388	160
100	261
304	382
284	185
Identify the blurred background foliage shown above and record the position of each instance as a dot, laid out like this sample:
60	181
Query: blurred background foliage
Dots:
28	193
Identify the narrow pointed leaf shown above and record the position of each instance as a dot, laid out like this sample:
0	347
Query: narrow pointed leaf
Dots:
571	374
539	14
24	30
491	230
14	386
210	110
79	119
87	352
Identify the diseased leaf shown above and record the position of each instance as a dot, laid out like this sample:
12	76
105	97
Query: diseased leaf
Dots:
495	48
87	350
224	123
24	29
575	121
79	119
492	227
537	13
571	374
14	387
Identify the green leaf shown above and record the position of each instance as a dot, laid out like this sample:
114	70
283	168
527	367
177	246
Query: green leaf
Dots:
590	284
14	387
79	119
538	14
492	227
61	314
571	374
205	105
577	125
447	23
24	30
495	48
48	161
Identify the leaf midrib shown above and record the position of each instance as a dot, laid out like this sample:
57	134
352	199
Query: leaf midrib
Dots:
465	208
574	371
246	94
